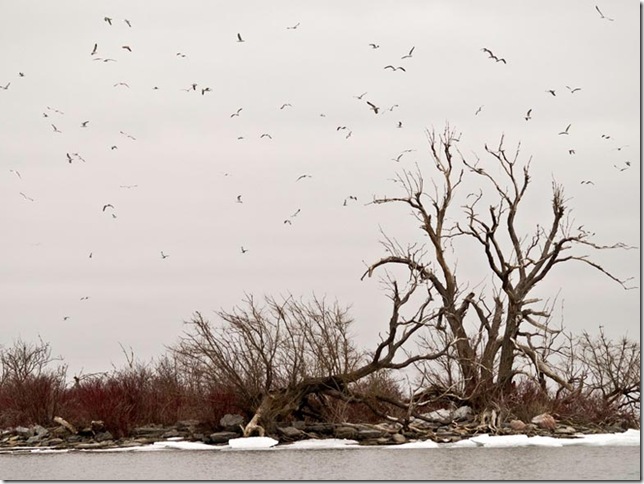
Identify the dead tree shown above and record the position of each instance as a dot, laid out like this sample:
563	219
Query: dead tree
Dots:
491	330
278	354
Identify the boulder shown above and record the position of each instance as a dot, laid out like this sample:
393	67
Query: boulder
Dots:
398	438
291	433
545	421
370	434
518	425
148	431
443	415
23	431
320	428
565	430
189	425
462	413
344	432
222	437
231	422
102	436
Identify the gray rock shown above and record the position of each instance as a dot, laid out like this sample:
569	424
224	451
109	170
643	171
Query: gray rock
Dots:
344	432
443	415
55	441
102	436
565	430
171	433
148	431
299	424
370	434
398	438
291	432
231	422
222	437
320	428
24	431
40	431
36	439
187	424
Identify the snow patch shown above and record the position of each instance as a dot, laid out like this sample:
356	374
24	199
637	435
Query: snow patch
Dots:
322	444
252	443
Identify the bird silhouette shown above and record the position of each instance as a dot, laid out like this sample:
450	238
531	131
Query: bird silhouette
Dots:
128	135
374	46
108	20
293	27
399	124
587	182
492	56
205	90
126	47
128	186
84	124
285	105
573	90
5	87
393	107
395	68
21	74
84	298
239	38
397	158
26	197
302	177
296	212
94	49
527	115
237	113
551	91
56	130
108	205
571	152
69	158
243	251
164	256
349	134
373	107
566	130
17	173
239	200
122	84
179	54
602	15
127	22
114	147
478	110
360	96
410	53
266	135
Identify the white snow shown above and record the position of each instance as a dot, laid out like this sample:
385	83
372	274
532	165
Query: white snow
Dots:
322	444
420	444
252	443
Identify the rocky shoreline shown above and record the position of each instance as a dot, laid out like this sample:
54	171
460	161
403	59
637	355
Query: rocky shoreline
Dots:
439	426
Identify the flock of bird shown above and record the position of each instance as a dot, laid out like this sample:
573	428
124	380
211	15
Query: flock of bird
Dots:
399	68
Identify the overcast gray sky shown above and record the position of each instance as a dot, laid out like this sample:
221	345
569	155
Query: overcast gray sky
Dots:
186	166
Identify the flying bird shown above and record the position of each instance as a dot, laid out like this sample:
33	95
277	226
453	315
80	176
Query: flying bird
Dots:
84	298
373	107
395	68
566	130
287	221
243	250
28	198
294	26
478	110
571	152
128	186
393	107
296	212
349	134
84	124
127	22
5	87
108	20
114	147
397	158
340	128
126	47
492	56
107	205
587	182
122	84
239	200
573	90
94	49
303	176
374	46
285	105
239	38
551	91
360	96
527	115
602	15
605	136
128	135
21	74
164	256
237	113
266	135
205	90
180	54
56	130
69	158
399	124
17	173
410	53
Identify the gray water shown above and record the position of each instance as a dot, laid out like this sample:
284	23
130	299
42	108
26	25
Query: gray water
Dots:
573	462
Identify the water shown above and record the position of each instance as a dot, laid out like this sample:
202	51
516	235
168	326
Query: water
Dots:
371	463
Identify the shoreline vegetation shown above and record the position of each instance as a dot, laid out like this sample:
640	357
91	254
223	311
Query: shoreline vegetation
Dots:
454	358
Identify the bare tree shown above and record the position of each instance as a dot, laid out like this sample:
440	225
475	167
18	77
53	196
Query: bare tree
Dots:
279	354
492	331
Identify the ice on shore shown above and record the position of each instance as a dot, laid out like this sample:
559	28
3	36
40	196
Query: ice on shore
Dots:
322	444
252	443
